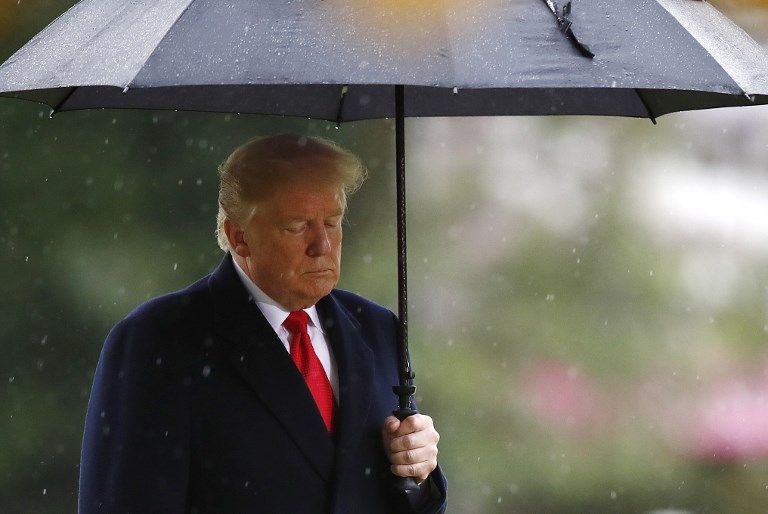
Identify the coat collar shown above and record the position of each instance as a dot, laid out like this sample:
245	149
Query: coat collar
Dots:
261	359
354	359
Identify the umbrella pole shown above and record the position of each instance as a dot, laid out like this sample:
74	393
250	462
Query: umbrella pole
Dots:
405	388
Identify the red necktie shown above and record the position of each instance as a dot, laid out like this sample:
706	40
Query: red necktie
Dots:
309	365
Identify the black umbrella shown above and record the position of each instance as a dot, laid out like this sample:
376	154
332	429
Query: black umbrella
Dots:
345	60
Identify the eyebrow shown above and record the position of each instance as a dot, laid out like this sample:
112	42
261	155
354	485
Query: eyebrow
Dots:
297	217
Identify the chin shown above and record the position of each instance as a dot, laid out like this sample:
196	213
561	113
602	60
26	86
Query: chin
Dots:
321	289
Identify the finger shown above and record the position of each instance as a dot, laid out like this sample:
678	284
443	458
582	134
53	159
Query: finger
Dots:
390	426
414	423
419	471
413	441
414	456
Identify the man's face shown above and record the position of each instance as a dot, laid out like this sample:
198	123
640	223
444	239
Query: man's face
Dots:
294	242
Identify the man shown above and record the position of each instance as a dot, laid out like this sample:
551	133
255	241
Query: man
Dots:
260	388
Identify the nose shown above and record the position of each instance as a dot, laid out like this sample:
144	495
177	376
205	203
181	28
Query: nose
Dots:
319	243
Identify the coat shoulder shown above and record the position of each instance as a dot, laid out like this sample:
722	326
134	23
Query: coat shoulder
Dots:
168	310
166	322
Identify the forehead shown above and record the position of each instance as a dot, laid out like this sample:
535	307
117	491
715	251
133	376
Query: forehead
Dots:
305	199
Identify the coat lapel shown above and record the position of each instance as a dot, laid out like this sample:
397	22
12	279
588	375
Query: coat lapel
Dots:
354	359
261	359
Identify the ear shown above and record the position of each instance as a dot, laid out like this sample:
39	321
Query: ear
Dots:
236	238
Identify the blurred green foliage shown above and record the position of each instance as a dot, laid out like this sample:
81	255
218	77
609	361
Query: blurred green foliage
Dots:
102	210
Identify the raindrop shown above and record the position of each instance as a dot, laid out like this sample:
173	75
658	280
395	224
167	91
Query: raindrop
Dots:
45	491
368	258
175	266
11	379
199	182
550	297
613	495
44	340
206	371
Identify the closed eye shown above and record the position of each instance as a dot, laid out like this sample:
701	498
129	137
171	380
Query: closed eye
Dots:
333	222
296	228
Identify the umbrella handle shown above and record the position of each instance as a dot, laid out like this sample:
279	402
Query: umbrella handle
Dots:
404	483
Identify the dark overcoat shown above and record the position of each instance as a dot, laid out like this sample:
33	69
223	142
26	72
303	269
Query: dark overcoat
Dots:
196	407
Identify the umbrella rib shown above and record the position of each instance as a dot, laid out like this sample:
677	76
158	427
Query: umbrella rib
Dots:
344	90
130	82
563	17
57	107
647	107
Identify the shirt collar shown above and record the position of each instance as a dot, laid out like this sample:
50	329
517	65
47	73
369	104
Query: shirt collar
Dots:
272	310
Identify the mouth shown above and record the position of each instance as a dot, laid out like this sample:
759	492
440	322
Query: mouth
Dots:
326	271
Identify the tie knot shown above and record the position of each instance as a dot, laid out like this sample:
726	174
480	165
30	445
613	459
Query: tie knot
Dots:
296	322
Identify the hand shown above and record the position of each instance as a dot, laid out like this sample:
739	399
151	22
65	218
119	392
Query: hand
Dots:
411	446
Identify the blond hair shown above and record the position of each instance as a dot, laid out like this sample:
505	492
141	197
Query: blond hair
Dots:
251	172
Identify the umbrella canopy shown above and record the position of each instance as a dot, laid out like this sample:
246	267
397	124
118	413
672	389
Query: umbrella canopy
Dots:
337	59
346	60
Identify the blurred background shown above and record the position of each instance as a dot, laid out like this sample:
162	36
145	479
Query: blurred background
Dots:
589	295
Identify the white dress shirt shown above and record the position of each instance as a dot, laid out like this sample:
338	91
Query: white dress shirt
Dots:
276	314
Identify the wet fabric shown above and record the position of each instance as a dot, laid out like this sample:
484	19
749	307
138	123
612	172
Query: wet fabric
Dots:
338	60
